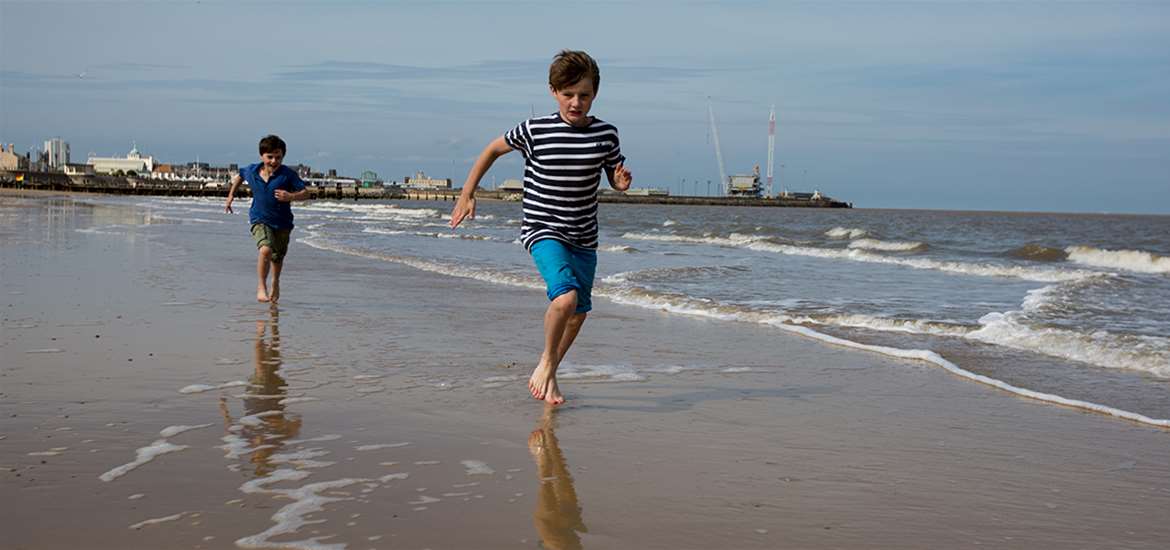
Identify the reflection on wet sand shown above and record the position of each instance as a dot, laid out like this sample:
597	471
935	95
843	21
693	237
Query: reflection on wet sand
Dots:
269	425
557	515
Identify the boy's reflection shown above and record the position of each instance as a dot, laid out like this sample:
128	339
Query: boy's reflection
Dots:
557	515
262	398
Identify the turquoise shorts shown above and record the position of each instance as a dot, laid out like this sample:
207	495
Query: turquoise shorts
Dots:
564	268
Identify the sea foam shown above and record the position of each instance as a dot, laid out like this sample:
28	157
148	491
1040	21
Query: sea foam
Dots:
1129	260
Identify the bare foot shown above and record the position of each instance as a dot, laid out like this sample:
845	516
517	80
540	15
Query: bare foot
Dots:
543	385
553	396
538	382
275	295
261	294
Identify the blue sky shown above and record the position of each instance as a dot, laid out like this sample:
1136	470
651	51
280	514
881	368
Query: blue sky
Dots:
1049	106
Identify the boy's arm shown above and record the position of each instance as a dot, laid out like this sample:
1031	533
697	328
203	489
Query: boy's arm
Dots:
465	206
619	177
301	193
285	196
236	179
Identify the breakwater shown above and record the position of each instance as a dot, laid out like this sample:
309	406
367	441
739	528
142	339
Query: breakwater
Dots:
123	185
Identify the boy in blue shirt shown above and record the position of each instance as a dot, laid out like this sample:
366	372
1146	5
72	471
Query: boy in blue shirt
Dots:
565	154
273	187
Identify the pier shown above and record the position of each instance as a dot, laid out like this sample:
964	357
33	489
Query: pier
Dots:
122	185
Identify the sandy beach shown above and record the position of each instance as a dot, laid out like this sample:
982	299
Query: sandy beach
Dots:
149	402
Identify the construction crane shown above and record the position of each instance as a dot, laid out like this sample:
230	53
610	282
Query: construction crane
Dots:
771	146
723	181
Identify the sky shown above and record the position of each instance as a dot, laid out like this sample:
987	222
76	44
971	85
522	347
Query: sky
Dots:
1023	106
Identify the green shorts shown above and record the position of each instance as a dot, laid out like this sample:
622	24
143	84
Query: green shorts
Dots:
275	239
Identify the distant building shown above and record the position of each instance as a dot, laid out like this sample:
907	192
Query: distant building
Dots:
370	179
134	161
9	160
745	185
79	170
512	186
421	181
57	150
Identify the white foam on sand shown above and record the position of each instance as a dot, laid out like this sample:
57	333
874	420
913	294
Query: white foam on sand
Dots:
236	446
600	373
164	519
144	455
44	350
477	468
392	477
291	400
200	388
253	420
378	446
289	519
171	431
327	437
303	458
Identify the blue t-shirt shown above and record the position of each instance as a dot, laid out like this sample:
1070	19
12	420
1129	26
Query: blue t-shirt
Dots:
265	208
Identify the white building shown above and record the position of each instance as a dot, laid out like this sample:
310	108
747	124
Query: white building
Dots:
421	181
512	186
134	161
57	150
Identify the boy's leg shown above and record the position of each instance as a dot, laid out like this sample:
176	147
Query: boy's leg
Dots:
568	273
262	234
275	293
263	258
280	239
543	382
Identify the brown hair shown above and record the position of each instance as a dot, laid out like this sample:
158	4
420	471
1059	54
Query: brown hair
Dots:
570	67
271	144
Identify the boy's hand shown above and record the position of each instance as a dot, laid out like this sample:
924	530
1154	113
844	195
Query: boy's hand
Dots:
464	208
282	195
622	178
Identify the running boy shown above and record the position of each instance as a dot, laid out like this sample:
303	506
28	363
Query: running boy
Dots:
273	186
564	155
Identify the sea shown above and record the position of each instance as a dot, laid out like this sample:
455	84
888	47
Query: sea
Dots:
1070	309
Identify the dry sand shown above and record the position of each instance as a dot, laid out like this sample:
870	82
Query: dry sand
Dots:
407	423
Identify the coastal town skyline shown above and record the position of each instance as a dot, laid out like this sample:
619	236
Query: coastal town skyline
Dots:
924	105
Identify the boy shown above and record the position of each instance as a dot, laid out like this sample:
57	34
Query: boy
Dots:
564	154
273	186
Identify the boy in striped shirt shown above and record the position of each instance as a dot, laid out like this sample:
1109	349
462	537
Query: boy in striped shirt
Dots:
564	156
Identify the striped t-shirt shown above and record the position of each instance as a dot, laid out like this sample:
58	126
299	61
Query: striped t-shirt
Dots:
562	170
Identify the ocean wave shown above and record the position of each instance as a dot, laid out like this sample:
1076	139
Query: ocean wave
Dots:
675	273
889	246
845	233
687	305
908	326
669	223
434	235
619	248
690	306
1129	260
1037	253
371	211
768	244
1149	354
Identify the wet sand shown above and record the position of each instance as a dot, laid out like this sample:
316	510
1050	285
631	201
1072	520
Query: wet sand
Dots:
148	402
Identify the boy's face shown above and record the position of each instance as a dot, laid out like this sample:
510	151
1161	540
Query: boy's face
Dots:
575	101
272	159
